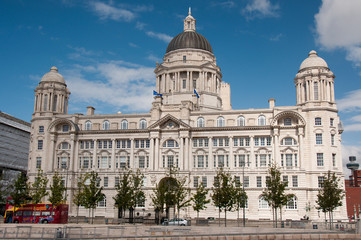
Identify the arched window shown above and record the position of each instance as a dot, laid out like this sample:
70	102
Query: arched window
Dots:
292	203
261	120
220	122
241	121
106	125
142	124
102	203
200	122
262	204
88	125
124	124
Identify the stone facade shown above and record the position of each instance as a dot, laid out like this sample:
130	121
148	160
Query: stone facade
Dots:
192	125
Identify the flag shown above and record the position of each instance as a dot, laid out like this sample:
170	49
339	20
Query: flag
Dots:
156	93
196	93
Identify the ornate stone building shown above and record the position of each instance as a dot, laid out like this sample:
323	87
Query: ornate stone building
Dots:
193	126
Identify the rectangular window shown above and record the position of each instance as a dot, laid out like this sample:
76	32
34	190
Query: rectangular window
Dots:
262	141
200	161
63	162
242	160
259	181
334	159
315	87
331	122
40	144
204	181
195	182
170	161
318	138
220	160
194	83
184	83
318	121
285	180
41	129
65	128
38	162
85	162
256	141
332	139
287	122
104	162
294	181
106	180
116	181
237	181
246	181
184	59
269	141
319	159
247	141
288	160
321	180
122	161
263	160
141	161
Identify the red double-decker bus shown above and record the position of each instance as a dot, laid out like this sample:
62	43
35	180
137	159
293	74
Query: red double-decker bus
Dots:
36	213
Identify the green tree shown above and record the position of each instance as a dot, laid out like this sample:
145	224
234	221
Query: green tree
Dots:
330	195
223	193
158	200
20	192
181	193
274	193
137	194
78	197
57	190
38	188
200	199
240	197
92	193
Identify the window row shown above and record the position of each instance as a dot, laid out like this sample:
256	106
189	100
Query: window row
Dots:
319	140
318	121
123	124
119	144
320	159
241	121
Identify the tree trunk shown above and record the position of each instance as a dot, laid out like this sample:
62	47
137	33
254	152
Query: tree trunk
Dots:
276	216
238	216
330	212
225	217
219	217
89	216
77	214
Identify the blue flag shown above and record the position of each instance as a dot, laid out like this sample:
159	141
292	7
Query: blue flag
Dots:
156	93
196	93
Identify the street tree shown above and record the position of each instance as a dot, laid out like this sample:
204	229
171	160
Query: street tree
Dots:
223	193
20	190
78	197
38	187
274	193
200	199
92	193
158	200
181	194
240	197
57	190
137	194
124	192
330	195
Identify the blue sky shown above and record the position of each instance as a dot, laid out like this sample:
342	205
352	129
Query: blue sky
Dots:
107	51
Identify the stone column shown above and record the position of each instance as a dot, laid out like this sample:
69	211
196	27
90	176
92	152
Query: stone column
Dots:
151	154
51	154
191	80
76	155
95	159
252	158
132	164
231	160
156	155
113	153
187	81
186	154
210	153
300	146
181	153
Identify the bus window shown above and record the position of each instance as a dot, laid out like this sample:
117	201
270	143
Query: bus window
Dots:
18	213
46	213
36	213
27	213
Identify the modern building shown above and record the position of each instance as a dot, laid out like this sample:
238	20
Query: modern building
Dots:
353	190
191	125
14	148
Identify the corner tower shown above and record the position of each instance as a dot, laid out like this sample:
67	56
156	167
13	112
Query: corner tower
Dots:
51	95
189	73
315	83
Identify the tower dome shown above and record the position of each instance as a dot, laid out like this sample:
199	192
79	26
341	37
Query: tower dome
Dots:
313	61
53	76
189	38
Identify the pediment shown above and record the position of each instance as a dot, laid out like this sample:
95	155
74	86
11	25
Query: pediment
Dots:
169	122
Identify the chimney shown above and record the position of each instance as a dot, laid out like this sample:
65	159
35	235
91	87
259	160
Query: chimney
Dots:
90	110
271	102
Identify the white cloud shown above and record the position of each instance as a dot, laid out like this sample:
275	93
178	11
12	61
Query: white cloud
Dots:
133	45
106	11
351	102
353	127
164	37
225	4
140	25
153	58
261	9
337	26
276	38
123	85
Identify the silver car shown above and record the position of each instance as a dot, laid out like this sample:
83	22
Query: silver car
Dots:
177	221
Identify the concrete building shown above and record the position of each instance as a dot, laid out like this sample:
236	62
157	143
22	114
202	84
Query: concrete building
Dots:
14	147
191	125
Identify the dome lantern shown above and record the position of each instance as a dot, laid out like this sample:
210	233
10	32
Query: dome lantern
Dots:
189	23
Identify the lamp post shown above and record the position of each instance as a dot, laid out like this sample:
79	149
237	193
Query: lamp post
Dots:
66	182
244	198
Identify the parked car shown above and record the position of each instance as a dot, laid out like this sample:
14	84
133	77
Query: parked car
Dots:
176	221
